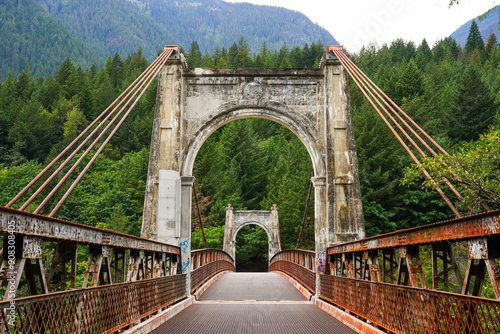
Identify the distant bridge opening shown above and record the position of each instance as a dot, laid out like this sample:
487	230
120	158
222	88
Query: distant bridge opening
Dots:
252	249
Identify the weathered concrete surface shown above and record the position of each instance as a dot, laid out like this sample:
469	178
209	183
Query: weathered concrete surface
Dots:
236	219
312	103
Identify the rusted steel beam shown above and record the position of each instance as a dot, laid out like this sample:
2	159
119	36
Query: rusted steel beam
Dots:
54	229
480	225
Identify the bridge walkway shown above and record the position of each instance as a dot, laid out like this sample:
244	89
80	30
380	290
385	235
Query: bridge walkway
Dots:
245	303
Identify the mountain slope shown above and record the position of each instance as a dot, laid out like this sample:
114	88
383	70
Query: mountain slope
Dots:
110	26
485	26
28	36
122	26
215	22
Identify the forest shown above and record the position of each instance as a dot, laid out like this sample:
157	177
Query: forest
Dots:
452	92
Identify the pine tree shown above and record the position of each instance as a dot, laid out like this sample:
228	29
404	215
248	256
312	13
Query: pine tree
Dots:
75	122
473	108
64	71
73	85
194	57
283	53
25	85
474	39
491	44
243	58
231	55
241	151
411	83
207	60
424	55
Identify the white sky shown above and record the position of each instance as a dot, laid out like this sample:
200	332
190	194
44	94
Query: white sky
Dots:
357	22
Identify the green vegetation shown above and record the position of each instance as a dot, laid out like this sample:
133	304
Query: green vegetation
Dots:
30	38
42	33
254	163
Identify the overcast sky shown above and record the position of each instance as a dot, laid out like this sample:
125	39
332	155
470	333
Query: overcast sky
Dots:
357	22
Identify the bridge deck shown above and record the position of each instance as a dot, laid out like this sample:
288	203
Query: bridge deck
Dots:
252	303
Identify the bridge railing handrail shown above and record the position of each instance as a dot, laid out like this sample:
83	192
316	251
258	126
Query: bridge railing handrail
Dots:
479	225
54	229
297	263
105	308
206	263
292	251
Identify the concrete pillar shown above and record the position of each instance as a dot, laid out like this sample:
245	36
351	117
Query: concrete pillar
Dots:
321	225
165	140
345	214
229	245
185	228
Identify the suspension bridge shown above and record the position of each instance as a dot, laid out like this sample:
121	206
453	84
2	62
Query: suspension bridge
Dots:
156	283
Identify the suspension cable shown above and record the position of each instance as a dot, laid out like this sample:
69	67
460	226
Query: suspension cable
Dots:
135	85
369	95
388	101
127	99
167	53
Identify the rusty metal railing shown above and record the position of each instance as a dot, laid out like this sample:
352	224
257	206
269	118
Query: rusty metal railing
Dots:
112	257
207	263
297	263
103	309
402	309
397	257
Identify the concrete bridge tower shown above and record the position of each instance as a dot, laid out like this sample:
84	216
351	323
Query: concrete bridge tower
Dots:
193	103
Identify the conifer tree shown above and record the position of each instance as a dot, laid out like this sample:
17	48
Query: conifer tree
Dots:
64	71
194	57
491	44
473	108
242	153
243	58
411	83
424	54
474	39
232	53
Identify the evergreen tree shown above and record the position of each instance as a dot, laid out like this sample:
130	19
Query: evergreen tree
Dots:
232	53
75	123
411	83
246	159
25	85
194	57
73	85
491	44
474	39
243	58
424	55
49	93
283	53
64	71
473	108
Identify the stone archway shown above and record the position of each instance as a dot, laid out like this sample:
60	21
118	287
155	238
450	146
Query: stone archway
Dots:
237	219
312	103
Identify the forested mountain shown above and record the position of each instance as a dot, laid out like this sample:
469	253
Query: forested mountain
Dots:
486	25
122	26
29	37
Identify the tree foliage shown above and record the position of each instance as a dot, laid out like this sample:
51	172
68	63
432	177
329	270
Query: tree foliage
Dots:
475	167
